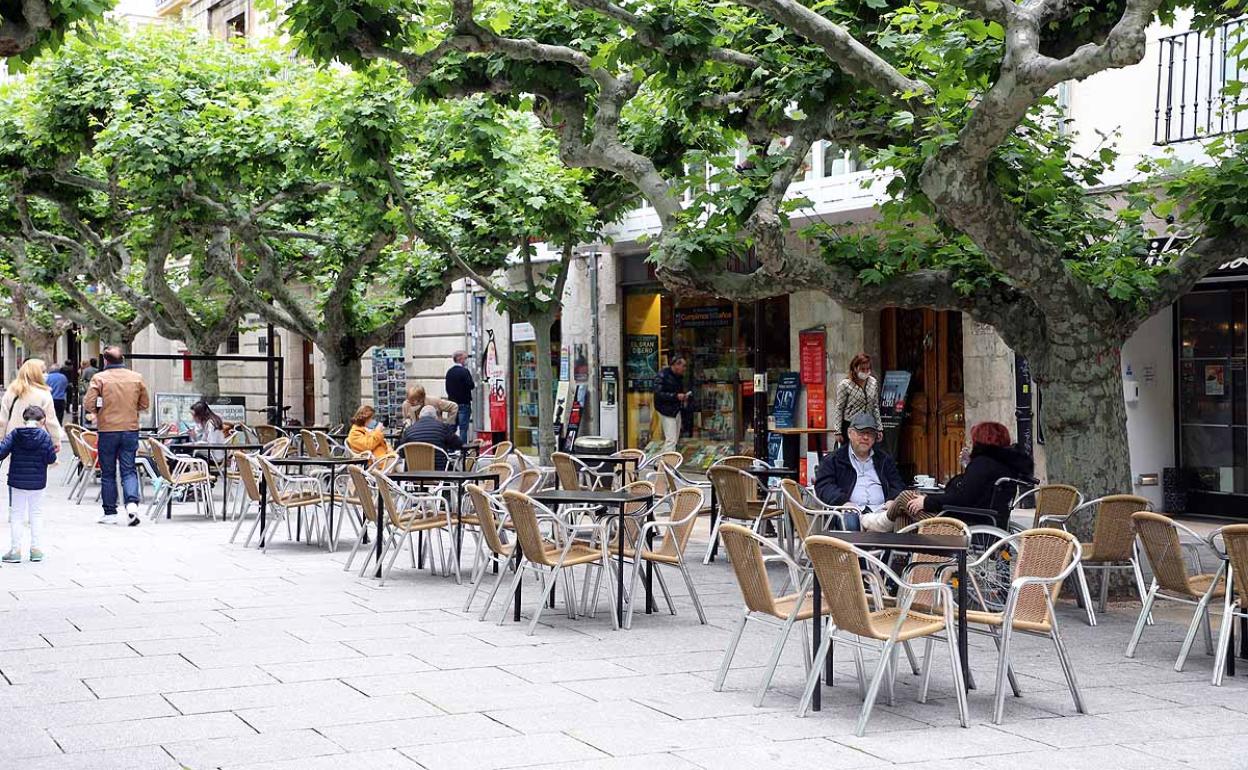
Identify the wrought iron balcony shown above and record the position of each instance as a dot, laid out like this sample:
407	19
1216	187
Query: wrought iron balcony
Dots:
1193	71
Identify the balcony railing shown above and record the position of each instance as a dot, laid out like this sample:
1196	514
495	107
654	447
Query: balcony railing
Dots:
1193	70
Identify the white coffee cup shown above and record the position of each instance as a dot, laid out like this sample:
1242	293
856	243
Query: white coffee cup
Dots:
924	481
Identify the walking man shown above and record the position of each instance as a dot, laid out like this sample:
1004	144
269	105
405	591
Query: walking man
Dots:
459	385
58	383
115	397
670	399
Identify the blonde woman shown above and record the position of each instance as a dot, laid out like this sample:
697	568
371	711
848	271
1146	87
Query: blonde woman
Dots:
29	389
416	400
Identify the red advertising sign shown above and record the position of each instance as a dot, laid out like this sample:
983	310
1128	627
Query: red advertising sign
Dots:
812	350
816	406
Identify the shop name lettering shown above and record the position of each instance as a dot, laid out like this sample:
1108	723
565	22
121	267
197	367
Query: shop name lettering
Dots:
695	317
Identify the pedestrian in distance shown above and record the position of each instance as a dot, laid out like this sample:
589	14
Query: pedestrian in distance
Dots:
671	400
58	384
858	393
115	398
30	450
459	387
29	388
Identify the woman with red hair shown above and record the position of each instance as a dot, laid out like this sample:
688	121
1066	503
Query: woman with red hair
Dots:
992	457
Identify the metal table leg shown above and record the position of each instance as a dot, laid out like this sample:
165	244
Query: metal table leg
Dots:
619	583
381	515
264	504
816	702
963	652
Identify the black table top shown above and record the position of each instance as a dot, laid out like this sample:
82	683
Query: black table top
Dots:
772	473
165	436
321	460
899	541
446	475
597	497
193	446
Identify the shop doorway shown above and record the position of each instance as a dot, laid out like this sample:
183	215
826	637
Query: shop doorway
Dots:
928	344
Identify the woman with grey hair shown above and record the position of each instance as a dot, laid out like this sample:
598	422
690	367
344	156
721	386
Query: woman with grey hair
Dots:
428	429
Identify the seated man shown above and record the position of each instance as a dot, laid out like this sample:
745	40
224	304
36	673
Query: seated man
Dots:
430	430
861	475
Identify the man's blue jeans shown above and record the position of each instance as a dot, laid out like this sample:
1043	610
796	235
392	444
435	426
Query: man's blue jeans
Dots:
462	420
117	448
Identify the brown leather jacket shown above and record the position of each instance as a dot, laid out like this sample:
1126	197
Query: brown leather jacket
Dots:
115	396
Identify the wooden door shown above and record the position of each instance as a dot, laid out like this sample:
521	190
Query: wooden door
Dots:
928	344
309	384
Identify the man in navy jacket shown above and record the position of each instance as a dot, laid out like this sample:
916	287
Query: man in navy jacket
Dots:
861	474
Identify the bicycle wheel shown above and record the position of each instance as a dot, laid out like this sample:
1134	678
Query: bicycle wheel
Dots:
990	581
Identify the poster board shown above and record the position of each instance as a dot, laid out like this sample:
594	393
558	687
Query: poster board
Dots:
812	346
784	412
609	402
175	409
641	363
389	384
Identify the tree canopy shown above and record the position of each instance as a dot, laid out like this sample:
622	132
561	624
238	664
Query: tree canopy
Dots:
950	101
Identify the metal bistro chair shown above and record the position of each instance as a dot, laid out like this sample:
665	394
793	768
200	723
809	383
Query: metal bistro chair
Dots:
1113	545
838	565
1172	579
745	550
286	493
552	559
1235	537
180	474
682	511
739	498
490	514
417	514
420	456
363	497
1051	500
88	448
1046	557
575	475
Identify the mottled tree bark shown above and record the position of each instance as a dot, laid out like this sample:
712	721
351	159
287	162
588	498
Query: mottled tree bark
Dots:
542	325
343	383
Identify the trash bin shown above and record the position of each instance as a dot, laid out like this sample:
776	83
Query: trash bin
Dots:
593	445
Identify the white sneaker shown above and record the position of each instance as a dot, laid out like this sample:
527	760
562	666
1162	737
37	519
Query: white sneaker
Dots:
109	518
132	509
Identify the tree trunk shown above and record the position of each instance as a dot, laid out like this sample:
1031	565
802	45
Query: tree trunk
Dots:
1084	418
40	344
205	376
542	325
342	381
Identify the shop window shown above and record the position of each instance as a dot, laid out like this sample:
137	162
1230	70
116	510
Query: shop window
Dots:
838	160
232	343
398	339
1213	390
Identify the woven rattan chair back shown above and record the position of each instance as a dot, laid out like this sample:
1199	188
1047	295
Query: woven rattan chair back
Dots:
523	517
362	491
389	493
385	463
89	447
735	489
1055	500
1113	537
277	448
749	568
567	471
526	481
791	499
925	564
501	470
740	462
501	449
840	577
270	480
161	460
630	471
684	503
1042	553
633	511
419	456
324	445
661	485
671	457
484	512
307	443
1165	552
268	433
247	475
1235	538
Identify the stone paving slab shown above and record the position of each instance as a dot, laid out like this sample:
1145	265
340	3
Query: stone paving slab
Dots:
166	647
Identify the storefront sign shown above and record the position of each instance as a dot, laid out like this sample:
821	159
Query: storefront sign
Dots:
523	332
816	406
812	350
641	362
703	317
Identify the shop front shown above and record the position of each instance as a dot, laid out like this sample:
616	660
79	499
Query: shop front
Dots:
1211	443
719	339
524	363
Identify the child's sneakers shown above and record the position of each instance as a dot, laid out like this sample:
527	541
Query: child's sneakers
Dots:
36	554
12	557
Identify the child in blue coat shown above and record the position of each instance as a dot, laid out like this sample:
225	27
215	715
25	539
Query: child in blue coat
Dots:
32	451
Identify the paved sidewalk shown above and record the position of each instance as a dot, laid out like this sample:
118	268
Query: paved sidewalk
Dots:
165	647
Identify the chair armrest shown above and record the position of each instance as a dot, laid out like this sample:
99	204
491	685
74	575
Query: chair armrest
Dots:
984	515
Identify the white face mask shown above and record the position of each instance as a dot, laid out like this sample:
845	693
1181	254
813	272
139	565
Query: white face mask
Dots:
863	375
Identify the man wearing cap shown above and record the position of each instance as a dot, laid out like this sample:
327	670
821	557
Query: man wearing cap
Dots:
862	475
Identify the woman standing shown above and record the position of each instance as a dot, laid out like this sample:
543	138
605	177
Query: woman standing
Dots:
858	393
29	388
